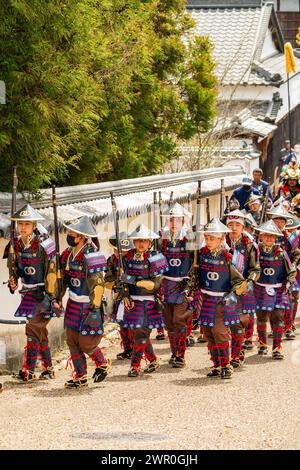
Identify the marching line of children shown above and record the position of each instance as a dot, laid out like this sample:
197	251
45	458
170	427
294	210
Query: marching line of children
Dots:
235	278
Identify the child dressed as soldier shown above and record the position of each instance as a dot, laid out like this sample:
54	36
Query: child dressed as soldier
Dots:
277	273
83	266
143	270
245	259
218	279
35	267
111	278
177	246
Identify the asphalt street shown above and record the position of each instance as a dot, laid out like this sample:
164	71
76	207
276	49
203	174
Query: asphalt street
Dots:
259	408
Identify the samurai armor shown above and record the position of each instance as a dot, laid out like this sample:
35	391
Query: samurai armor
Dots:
208	309
270	298
172	292
98	357
75	316
127	339
45	354
31	353
213	351
149	352
237	338
248	303
223	353
249	330
144	313
180	343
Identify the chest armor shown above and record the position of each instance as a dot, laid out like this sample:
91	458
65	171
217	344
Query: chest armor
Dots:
240	258
75	277
214	274
272	269
141	270
179	260
30	267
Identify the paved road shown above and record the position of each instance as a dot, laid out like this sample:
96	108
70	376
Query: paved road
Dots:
259	408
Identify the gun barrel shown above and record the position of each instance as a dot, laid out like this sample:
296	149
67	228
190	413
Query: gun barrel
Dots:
160	210
117	232
57	246
56	233
14	202
155	222
207	210
12	254
198	220
222	197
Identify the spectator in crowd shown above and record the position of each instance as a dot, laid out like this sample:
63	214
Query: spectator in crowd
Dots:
297	153
260	184
242	194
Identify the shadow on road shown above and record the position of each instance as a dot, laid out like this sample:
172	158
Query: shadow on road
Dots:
168	369
119	362
13	384
256	359
62	392
202	371
124	378
199	382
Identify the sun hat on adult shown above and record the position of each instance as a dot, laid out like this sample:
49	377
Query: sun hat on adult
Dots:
247	181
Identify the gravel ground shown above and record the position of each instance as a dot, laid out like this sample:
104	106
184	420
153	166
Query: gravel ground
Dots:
259	408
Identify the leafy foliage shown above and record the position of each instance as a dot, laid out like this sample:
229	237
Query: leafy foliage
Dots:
99	89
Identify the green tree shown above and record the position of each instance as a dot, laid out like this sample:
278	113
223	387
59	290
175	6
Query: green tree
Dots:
165	90
54	103
99	89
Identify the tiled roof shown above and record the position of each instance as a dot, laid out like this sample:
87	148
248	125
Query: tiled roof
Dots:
238	36
267	110
260	128
233	34
245	122
224	3
100	210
